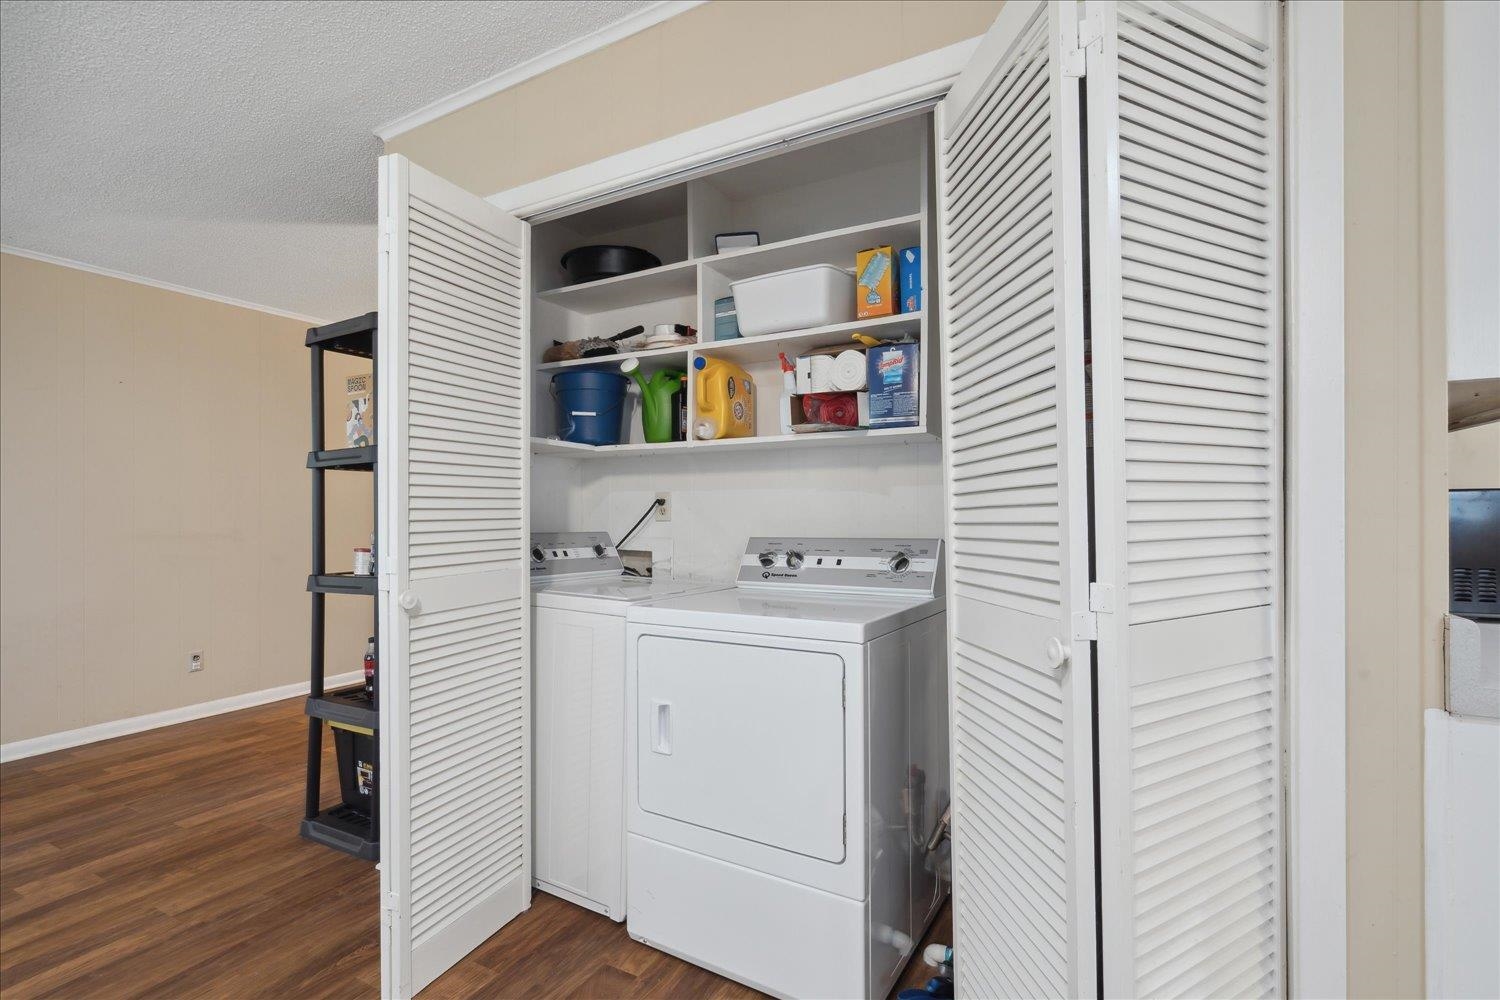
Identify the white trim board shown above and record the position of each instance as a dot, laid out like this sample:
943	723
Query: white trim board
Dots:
631	24
166	286
1317	796
19	749
921	78
1462	883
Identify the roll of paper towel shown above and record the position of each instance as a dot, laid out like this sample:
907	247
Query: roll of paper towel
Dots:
822	373
849	371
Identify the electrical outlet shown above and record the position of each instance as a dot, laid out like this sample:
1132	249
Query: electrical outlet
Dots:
195	661
664	506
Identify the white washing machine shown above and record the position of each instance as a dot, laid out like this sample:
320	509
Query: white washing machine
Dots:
788	762
579	595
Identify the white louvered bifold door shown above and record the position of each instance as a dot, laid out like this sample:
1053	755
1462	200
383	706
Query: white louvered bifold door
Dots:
454	670
1185	257
1013	366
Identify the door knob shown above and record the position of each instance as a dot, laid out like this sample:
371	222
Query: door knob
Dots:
1057	652
410	603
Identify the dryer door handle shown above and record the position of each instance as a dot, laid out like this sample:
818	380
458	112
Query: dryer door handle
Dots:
661	727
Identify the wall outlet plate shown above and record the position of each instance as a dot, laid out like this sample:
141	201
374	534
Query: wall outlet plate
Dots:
195	661
664	507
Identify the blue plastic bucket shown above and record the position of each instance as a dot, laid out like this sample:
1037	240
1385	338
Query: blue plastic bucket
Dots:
590	406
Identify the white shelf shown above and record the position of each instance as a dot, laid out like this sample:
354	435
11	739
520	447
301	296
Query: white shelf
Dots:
750	350
569	449
670	281
836	246
885	435
889	435
652	360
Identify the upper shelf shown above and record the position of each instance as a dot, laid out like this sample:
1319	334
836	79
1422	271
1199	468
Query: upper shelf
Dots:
753	350
679	280
750	350
670	281
837	246
652	360
348	336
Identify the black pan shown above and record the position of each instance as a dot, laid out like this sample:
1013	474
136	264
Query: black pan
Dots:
593	263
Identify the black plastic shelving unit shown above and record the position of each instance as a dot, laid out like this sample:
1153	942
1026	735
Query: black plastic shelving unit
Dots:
340	583
341	826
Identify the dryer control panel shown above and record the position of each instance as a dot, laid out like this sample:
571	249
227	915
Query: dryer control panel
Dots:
904	566
559	554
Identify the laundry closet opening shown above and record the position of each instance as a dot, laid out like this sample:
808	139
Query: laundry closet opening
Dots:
773	464
819	203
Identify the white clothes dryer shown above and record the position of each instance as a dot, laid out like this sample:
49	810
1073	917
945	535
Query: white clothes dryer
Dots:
788	762
579	595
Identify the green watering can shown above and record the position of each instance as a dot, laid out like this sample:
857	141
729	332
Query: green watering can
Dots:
656	399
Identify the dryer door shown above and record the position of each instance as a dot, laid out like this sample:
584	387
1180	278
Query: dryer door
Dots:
744	740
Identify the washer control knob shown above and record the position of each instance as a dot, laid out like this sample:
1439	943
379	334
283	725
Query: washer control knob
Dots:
599	551
537	555
767	560
794	559
900	563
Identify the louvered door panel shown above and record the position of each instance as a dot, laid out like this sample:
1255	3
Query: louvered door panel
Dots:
1185	252
464	315
455	629
1013	367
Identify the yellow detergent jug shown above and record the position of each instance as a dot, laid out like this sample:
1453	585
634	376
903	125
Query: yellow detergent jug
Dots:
726	400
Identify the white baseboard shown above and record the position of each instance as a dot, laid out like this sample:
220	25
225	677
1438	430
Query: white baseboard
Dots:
19	749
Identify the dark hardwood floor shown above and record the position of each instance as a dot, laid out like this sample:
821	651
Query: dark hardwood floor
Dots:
167	865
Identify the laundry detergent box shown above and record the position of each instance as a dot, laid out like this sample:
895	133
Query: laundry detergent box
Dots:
891	370
875	273
909	271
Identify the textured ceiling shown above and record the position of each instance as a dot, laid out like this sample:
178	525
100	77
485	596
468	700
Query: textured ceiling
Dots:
229	147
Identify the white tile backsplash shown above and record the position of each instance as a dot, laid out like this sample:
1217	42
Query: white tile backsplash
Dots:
721	499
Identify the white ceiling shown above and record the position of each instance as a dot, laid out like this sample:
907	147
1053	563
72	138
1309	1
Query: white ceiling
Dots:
229	147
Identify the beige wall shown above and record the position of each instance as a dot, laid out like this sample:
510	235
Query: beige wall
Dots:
1474	458
153	501
714	61
1396	409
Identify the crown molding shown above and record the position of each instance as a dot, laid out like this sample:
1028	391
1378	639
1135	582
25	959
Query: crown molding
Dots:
165	286
626	26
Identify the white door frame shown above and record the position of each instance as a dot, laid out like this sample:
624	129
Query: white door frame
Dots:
1314	393
1317	796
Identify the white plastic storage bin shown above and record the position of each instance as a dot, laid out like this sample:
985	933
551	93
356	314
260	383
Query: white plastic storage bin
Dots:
804	297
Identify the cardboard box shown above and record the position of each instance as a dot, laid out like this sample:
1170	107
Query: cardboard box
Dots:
794	414
891	370
359	414
726	321
875	288
909	267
